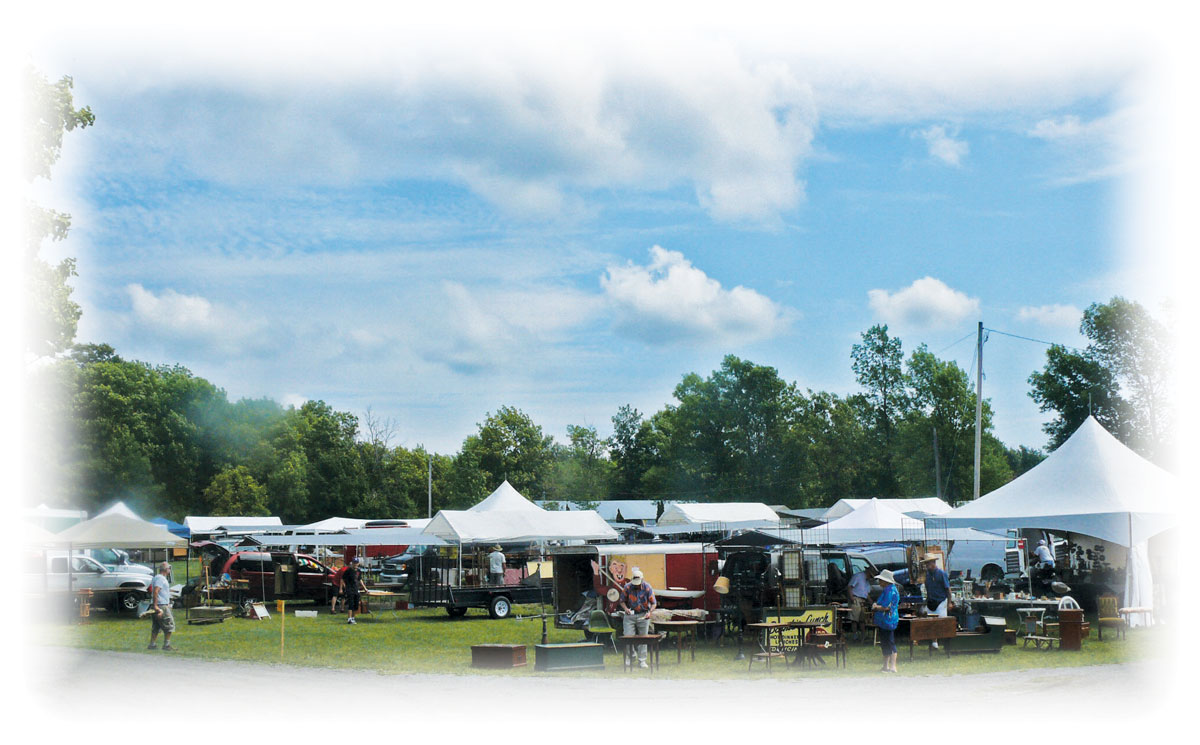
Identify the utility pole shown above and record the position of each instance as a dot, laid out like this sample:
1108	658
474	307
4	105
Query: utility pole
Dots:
429	461
978	405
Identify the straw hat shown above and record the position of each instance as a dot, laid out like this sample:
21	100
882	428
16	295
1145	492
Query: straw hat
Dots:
929	557
886	576
635	577
497	547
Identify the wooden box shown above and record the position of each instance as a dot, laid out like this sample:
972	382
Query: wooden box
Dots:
578	656
927	629
498	655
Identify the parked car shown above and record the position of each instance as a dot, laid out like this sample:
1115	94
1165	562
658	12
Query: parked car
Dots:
117	589
394	569
116	560
301	576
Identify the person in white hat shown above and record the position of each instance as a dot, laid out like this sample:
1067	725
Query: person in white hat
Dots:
1045	555
636	602
887	617
937	590
496	565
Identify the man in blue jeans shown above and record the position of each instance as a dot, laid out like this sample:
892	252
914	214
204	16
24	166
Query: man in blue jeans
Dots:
937	590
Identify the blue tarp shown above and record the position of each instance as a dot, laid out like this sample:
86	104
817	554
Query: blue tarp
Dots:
179	530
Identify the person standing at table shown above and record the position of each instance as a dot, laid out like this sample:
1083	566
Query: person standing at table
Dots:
937	590
351	584
887	618
496	566
636	602
860	593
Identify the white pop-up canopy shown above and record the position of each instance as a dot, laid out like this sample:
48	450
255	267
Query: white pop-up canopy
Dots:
519	526
119	531
334	524
209	523
875	521
120	508
717	512
506	499
930	505
1092	484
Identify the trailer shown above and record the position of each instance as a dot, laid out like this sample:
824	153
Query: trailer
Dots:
455	577
683	576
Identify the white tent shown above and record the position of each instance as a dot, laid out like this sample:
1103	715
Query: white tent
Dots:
417	522
1092	485
119	531
208	523
35	535
875	521
519	526
506	499
334	524
931	505
717	512
120	508
52	518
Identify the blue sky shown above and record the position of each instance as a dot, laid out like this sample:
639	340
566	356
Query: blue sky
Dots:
434	227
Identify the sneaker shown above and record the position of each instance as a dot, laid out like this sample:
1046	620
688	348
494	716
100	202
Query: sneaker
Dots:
933	645
642	664
168	648
152	646
351	620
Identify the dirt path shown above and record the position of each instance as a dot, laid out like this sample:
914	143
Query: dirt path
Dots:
298	700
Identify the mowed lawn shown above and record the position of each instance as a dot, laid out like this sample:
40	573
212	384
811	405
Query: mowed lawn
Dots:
427	641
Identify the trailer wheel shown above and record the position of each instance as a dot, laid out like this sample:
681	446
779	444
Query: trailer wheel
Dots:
455	611
499	607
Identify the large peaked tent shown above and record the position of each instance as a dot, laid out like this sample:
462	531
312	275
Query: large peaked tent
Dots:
119	531
843	507
876	521
1092	485
507	516
505	499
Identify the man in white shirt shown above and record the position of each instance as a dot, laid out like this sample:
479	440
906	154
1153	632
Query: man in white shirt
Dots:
160	608
1045	555
496	566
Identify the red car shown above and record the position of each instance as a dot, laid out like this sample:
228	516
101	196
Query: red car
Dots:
301	576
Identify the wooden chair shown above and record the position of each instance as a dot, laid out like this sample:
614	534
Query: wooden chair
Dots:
1108	616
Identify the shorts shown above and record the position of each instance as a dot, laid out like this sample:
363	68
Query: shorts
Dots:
857	607
162	621
352	601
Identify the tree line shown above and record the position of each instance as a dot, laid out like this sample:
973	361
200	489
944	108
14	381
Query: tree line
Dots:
169	443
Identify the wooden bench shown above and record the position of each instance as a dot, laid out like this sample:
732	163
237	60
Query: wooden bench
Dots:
1040	642
931	629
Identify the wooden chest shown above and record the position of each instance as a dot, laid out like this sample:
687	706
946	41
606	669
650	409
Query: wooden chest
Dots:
498	655
578	656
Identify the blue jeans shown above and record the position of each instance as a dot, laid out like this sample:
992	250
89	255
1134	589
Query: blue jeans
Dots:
887	641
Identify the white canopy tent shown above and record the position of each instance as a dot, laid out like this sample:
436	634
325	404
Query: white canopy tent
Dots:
120	508
519	526
333	524
717	512
119	531
875	521
505	499
1092	485
208	523
930	505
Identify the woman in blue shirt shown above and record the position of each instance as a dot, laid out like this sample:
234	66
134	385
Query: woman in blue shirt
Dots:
887	617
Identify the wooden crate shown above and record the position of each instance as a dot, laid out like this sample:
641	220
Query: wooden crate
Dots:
498	655
578	656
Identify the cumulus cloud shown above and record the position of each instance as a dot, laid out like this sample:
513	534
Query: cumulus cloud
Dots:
926	303
670	300
943	145
172	311
1091	149
1066	316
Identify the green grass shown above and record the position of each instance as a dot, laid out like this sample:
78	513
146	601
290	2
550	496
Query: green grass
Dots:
427	641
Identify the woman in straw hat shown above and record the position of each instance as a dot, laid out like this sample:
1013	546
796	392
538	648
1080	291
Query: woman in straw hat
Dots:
887	617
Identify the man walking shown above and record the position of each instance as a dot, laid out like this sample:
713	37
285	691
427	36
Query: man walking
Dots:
637	601
160	608
937	590
350	585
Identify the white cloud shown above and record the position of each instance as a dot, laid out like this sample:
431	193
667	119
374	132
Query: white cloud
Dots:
926	303
1066	316
671	300
1093	149
943	146
172	312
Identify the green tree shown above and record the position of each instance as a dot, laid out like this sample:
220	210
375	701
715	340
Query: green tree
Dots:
508	446
878	366
235	492
582	471
53	316
633	450
1121	378
829	435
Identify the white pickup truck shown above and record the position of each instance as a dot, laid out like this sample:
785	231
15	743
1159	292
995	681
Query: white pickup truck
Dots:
117	588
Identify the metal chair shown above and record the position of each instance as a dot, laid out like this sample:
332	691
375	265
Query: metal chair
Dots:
599	628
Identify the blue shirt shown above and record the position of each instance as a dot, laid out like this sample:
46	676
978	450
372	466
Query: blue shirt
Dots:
937	586
889	617
859	586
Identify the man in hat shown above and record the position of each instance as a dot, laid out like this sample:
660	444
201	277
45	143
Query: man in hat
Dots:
636	602
937	590
1044	555
350	585
160	608
496	566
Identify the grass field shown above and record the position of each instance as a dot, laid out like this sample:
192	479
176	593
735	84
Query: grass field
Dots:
427	641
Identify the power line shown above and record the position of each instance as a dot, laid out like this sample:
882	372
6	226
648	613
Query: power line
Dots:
1037	341
960	341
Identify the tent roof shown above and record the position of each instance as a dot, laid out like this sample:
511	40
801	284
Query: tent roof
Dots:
1092	484
120	508
931	505
630	509
717	512
43	511
468	526
334	524
171	525
119	531
505	498
35	535
362	537
203	524
875	513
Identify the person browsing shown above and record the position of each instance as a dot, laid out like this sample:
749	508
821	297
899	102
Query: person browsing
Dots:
1044	555
496	566
636	602
887	618
937	590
